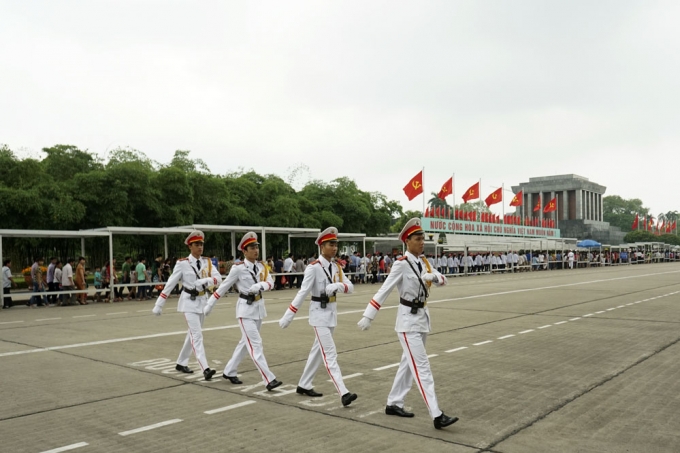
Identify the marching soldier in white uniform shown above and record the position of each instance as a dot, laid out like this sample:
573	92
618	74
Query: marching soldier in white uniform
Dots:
197	275
251	279
323	279
413	276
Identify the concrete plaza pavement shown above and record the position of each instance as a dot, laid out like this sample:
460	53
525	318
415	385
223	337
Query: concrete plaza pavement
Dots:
560	361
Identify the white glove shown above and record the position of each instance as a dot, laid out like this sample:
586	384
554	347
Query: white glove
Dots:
157	309
429	277
332	288
204	283
286	319
364	323
209	306
256	288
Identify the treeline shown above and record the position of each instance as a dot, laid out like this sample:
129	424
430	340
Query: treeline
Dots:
72	189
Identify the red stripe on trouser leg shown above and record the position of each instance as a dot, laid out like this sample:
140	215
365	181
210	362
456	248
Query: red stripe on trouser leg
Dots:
192	343
325	362
252	352
415	371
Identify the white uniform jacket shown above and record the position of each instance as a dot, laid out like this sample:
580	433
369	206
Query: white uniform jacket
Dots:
186	270
315	281
244	275
409	287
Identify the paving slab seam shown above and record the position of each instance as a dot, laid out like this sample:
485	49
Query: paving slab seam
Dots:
85	403
577	396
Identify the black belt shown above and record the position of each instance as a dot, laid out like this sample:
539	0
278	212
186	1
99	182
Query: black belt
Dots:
193	292
324	299
250	297
415	304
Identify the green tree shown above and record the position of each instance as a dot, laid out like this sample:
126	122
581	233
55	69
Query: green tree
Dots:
620	212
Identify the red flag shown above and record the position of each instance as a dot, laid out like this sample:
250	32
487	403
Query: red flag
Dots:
636	222
537	207
518	199
472	193
414	186
668	228
494	197
552	206
675	225
446	190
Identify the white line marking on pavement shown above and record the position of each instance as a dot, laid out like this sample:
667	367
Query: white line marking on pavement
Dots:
84	316
349	377
527	331
300	318
610	309
10	322
457	349
621	306
228	408
630	303
589	314
47	319
561	322
67	447
483	342
574	319
370	413
506	336
117	313
386	367
599	312
432	355
545	327
150	427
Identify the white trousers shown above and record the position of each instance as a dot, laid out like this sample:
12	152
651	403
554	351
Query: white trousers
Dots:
323	351
414	364
193	341
251	343
571	264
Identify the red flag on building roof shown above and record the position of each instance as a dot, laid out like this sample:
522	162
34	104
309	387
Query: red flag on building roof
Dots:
414	186
518	199
494	197
472	193
551	206
446	190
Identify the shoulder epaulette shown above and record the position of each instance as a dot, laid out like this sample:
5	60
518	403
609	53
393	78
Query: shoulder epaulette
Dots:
314	262
183	259
238	264
402	258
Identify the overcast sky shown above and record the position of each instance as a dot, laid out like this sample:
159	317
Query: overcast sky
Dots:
498	90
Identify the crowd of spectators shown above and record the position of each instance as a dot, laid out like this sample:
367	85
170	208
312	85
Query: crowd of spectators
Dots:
65	283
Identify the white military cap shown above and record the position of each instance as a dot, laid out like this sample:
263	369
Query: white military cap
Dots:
195	236
412	227
247	239
329	234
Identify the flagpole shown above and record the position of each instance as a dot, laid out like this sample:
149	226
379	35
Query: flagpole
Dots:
557	212
503	201
479	200
453	192
423	190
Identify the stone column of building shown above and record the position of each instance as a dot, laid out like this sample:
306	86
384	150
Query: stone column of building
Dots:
591	205
586	211
593	196
601	207
579	204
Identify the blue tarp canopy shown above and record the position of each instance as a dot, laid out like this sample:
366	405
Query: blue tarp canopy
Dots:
588	243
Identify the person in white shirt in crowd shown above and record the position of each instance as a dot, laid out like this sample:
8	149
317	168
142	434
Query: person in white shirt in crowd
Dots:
67	283
7	283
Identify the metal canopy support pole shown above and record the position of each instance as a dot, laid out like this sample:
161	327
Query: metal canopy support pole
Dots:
263	253
82	246
112	277
2	283
233	245
289	251
165	245
363	250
